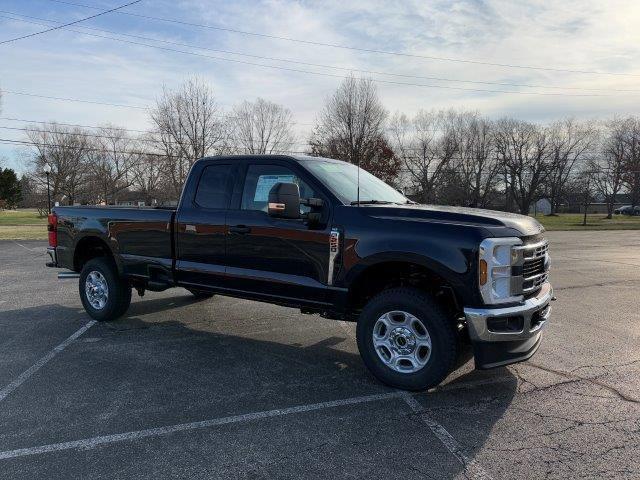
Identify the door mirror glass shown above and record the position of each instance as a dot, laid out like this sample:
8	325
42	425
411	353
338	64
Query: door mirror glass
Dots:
284	200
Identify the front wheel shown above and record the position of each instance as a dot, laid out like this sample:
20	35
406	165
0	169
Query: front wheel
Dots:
406	340
104	294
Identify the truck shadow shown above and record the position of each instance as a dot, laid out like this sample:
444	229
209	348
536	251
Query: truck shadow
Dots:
189	374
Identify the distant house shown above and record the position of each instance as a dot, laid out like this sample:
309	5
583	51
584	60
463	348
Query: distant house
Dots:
130	199
542	207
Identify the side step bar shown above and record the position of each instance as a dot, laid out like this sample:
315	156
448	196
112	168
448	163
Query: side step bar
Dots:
68	275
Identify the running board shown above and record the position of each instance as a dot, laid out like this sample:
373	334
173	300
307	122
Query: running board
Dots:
68	275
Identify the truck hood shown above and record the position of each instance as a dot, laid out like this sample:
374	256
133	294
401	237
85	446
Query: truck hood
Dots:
490	219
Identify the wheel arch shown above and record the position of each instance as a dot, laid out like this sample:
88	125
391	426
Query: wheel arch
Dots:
388	270
89	247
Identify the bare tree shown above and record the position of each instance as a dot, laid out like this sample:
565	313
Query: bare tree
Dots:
188	125
584	185
262	127
147	176
110	159
523	149
426	144
476	162
65	150
351	128
609	169
571	143
632	158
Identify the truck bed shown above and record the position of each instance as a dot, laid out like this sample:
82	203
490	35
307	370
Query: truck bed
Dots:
139	237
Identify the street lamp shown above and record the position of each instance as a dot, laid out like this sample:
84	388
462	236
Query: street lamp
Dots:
47	171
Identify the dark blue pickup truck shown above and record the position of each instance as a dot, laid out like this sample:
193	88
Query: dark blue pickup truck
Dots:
424	283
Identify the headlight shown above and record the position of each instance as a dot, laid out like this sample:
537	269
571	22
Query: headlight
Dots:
497	258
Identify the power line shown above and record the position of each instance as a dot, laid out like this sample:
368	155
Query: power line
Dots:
68	24
320	65
9	141
325	74
13	119
349	47
93	102
143	140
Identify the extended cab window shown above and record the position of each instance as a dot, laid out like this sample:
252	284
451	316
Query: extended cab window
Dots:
214	187
260	179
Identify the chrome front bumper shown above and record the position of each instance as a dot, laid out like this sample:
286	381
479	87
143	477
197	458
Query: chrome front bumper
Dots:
535	312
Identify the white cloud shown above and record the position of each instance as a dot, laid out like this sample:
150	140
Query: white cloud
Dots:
580	35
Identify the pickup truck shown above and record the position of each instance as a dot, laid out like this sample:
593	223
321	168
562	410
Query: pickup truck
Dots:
424	283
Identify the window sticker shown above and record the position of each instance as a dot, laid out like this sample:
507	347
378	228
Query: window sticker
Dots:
331	167
266	183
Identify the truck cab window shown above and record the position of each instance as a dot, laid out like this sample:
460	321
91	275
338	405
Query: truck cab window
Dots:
260	179
214	187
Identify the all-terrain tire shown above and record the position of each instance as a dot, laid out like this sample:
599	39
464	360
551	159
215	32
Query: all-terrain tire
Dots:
103	304
444	345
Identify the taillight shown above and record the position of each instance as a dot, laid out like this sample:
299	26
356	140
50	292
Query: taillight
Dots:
52	228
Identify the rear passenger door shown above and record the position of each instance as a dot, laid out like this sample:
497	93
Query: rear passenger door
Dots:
201	224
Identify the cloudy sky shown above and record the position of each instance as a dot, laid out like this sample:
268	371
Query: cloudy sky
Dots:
532	59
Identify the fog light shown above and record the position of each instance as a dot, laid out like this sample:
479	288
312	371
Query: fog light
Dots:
505	324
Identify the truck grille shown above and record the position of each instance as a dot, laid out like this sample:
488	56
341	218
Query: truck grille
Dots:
535	269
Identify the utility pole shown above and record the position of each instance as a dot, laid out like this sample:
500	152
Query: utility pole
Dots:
47	172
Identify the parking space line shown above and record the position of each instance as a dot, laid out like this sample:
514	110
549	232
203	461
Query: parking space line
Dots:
88	443
42	362
472	468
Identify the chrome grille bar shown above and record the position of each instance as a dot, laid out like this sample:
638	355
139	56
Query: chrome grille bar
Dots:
535	266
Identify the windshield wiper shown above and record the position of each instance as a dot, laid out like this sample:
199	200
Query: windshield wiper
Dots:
369	202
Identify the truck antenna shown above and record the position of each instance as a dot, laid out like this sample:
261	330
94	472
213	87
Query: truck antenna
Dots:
358	183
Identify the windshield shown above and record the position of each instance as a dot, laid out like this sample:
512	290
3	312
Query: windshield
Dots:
342	179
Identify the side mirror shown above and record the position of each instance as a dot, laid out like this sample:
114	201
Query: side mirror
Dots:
284	200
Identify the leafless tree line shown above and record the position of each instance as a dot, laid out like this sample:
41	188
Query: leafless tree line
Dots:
450	157
188	124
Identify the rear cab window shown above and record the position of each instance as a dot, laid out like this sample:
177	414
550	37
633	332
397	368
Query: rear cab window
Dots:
214	187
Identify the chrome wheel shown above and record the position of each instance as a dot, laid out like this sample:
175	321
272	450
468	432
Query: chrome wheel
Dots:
402	341
96	289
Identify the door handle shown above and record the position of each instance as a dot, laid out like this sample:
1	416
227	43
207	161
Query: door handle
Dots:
240	229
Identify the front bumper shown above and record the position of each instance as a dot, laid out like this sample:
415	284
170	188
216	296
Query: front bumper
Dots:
497	347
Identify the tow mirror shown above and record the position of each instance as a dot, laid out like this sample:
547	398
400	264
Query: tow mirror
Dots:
284	200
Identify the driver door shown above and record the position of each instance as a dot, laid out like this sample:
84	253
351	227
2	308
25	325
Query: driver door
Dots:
273	257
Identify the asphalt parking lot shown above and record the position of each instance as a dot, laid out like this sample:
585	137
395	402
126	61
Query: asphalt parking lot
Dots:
227	388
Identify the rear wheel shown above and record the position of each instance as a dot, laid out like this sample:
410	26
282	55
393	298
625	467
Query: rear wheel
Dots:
104	294
406	340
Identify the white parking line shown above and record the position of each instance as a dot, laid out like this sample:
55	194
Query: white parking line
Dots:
88	443
472	469
43	361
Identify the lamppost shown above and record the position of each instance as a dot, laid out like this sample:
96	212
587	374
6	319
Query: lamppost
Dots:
47	171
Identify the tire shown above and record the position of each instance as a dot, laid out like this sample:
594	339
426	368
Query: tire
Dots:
429	365
106	303
200	294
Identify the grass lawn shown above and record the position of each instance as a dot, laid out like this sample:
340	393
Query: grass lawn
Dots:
23	224
573	221
23	232
23	216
